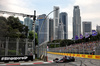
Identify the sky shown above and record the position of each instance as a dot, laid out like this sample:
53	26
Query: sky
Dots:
89	9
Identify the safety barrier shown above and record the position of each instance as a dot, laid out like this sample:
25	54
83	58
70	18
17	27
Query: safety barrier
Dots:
77	55
7	59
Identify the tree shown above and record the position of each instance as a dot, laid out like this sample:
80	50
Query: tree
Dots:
31	36
16	29
11	27
3	26
3	18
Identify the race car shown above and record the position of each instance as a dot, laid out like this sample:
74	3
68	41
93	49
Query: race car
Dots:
64	59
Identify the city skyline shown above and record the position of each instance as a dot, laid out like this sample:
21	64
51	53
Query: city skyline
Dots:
89	9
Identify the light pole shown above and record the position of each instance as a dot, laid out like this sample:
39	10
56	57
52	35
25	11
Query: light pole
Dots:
34	18
42	26
45	19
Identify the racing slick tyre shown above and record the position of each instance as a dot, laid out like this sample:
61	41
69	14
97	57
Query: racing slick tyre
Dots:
73	59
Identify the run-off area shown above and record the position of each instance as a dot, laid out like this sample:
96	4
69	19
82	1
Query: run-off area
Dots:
78	61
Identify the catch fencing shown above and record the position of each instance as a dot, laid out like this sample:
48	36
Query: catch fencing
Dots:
15	46
41	51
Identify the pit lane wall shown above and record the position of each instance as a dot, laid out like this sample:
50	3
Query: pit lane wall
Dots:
77	55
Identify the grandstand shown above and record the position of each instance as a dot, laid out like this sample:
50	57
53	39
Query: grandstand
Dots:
92	47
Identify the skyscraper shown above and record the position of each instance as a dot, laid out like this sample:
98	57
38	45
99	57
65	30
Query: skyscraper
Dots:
28	22
61	31
76	22
51	29
36	26
44	30
98	29
56	22
21	22
64	20
87	28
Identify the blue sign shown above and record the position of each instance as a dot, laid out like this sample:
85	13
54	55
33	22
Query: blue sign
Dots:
76	37
81	36
86	35
94	33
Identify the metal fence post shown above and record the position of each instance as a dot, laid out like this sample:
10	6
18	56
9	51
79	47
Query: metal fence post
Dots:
32	48
6	48
17	46
46	49
26	46
42	49
38	52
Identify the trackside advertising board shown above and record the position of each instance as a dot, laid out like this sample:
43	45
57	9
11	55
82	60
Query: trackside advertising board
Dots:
15	58
77	55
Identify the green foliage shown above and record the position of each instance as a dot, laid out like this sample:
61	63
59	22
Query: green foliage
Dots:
3	26
66	42
31	36
70	42
11	27
12	52
56	41
3	18
2	52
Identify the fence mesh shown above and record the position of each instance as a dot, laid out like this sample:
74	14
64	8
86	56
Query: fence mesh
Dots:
15	46
2	45
41	50
23	46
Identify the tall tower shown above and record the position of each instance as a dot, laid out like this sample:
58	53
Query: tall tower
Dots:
61	31
51	29
98	29
56	22
87	27
44	30
28	22
64	20
76	22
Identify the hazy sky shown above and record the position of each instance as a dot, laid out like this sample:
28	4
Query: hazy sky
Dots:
89	9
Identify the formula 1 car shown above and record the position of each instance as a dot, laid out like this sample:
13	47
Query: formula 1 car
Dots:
64	59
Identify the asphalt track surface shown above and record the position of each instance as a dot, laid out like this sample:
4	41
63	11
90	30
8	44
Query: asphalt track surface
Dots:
78	62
